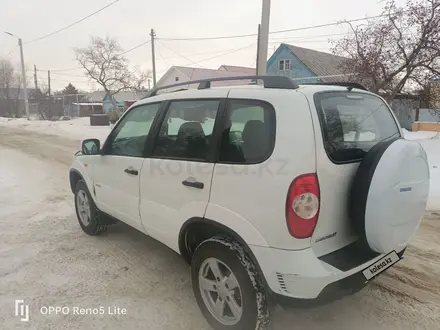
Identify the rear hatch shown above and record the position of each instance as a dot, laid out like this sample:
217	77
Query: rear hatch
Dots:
347	125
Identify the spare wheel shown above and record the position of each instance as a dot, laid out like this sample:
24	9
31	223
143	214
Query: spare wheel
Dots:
389	194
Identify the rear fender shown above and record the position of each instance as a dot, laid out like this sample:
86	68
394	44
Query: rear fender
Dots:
237	223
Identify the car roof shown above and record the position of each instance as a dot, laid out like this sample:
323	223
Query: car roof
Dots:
222	92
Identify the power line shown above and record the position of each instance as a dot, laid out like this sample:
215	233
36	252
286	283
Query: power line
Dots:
42	78
213	57
298	41
227	53
63	80
63	70
54	72
74	23
186	58
274	32
161	56
135	47
67	74
311	36
11	51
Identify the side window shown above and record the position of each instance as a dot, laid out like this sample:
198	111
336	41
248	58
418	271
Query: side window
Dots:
248	134
130	136
287	65
186	130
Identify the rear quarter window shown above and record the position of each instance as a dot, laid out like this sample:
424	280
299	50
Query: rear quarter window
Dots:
353	123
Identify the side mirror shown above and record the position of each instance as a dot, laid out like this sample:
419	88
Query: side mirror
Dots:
90	146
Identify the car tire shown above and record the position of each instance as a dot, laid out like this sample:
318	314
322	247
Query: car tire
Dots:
86	211
240	285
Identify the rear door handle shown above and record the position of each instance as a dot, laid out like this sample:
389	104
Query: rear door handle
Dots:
194	184
131	171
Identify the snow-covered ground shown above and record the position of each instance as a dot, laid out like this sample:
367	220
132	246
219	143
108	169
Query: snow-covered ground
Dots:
77	128
430	141
46	259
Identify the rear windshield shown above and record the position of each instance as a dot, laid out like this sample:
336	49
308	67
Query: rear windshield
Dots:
352	123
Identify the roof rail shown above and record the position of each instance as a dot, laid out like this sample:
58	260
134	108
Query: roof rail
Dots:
280	82
349	85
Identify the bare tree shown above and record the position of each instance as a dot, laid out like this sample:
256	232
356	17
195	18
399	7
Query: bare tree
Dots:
140	78
7	81
396	52
104	63
12	89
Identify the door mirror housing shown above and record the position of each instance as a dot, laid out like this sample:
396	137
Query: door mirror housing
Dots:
90	147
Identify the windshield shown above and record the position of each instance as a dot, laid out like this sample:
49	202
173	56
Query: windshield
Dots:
353	123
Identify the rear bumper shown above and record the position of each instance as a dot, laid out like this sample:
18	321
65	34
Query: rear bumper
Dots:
333	291
301	275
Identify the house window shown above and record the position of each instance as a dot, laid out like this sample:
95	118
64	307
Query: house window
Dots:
176	79
284	65
281	65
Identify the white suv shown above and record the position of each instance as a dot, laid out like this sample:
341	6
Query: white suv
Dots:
273	193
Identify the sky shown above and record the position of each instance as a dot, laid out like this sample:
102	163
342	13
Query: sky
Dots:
130	22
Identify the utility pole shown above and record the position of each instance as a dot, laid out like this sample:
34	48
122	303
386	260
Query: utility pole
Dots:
258	48
23	74
48	81
35	77
50	102
264	38
153	58
23	77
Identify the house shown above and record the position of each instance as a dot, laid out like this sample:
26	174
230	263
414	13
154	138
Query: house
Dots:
98	96
245	71
306	65
177	74
82	109
122	99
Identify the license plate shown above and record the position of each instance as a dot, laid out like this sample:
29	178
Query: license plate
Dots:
381	265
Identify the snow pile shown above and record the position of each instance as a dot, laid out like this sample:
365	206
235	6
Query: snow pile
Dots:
430	141
421	135
75	129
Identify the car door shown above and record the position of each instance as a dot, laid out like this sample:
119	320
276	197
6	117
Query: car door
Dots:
116	172
176	178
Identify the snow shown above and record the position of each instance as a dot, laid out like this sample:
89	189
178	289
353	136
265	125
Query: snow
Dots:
421	135
430	141
76	129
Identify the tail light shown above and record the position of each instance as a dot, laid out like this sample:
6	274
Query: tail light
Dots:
302	205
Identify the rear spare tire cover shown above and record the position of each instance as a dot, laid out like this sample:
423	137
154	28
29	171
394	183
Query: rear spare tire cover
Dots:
389	194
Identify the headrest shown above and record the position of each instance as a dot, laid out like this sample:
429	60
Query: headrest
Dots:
193	129
253	130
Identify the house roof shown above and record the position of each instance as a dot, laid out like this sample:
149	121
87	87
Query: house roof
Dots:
201	73
239	69
98	96
320	63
